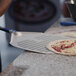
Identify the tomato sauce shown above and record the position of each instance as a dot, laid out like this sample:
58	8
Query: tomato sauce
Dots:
63	46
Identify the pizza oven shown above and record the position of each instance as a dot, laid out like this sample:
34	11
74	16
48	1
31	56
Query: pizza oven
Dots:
32	15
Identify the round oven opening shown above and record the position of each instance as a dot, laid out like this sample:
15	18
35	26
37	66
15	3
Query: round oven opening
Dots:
32	11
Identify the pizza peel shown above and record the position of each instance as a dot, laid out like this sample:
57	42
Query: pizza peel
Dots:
31	41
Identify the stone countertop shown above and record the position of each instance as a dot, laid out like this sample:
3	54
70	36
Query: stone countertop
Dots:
67	65
34	64
56	28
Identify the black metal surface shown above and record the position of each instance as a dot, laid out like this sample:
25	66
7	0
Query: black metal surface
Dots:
72	10
34	20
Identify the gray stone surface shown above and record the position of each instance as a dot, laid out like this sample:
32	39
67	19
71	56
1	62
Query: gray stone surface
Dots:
45	64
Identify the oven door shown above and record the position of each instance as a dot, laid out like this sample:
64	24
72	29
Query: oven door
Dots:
34	23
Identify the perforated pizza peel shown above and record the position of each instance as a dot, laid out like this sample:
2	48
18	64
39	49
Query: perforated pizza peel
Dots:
30	41
35	42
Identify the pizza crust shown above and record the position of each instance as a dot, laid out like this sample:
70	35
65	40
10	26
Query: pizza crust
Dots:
68	51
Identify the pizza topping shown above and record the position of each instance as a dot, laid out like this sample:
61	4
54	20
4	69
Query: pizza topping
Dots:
75	41
62	41
56	48
62	45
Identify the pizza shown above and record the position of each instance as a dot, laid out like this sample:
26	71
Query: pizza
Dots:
65	47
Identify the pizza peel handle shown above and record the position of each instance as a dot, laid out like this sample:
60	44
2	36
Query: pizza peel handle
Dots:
7	30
